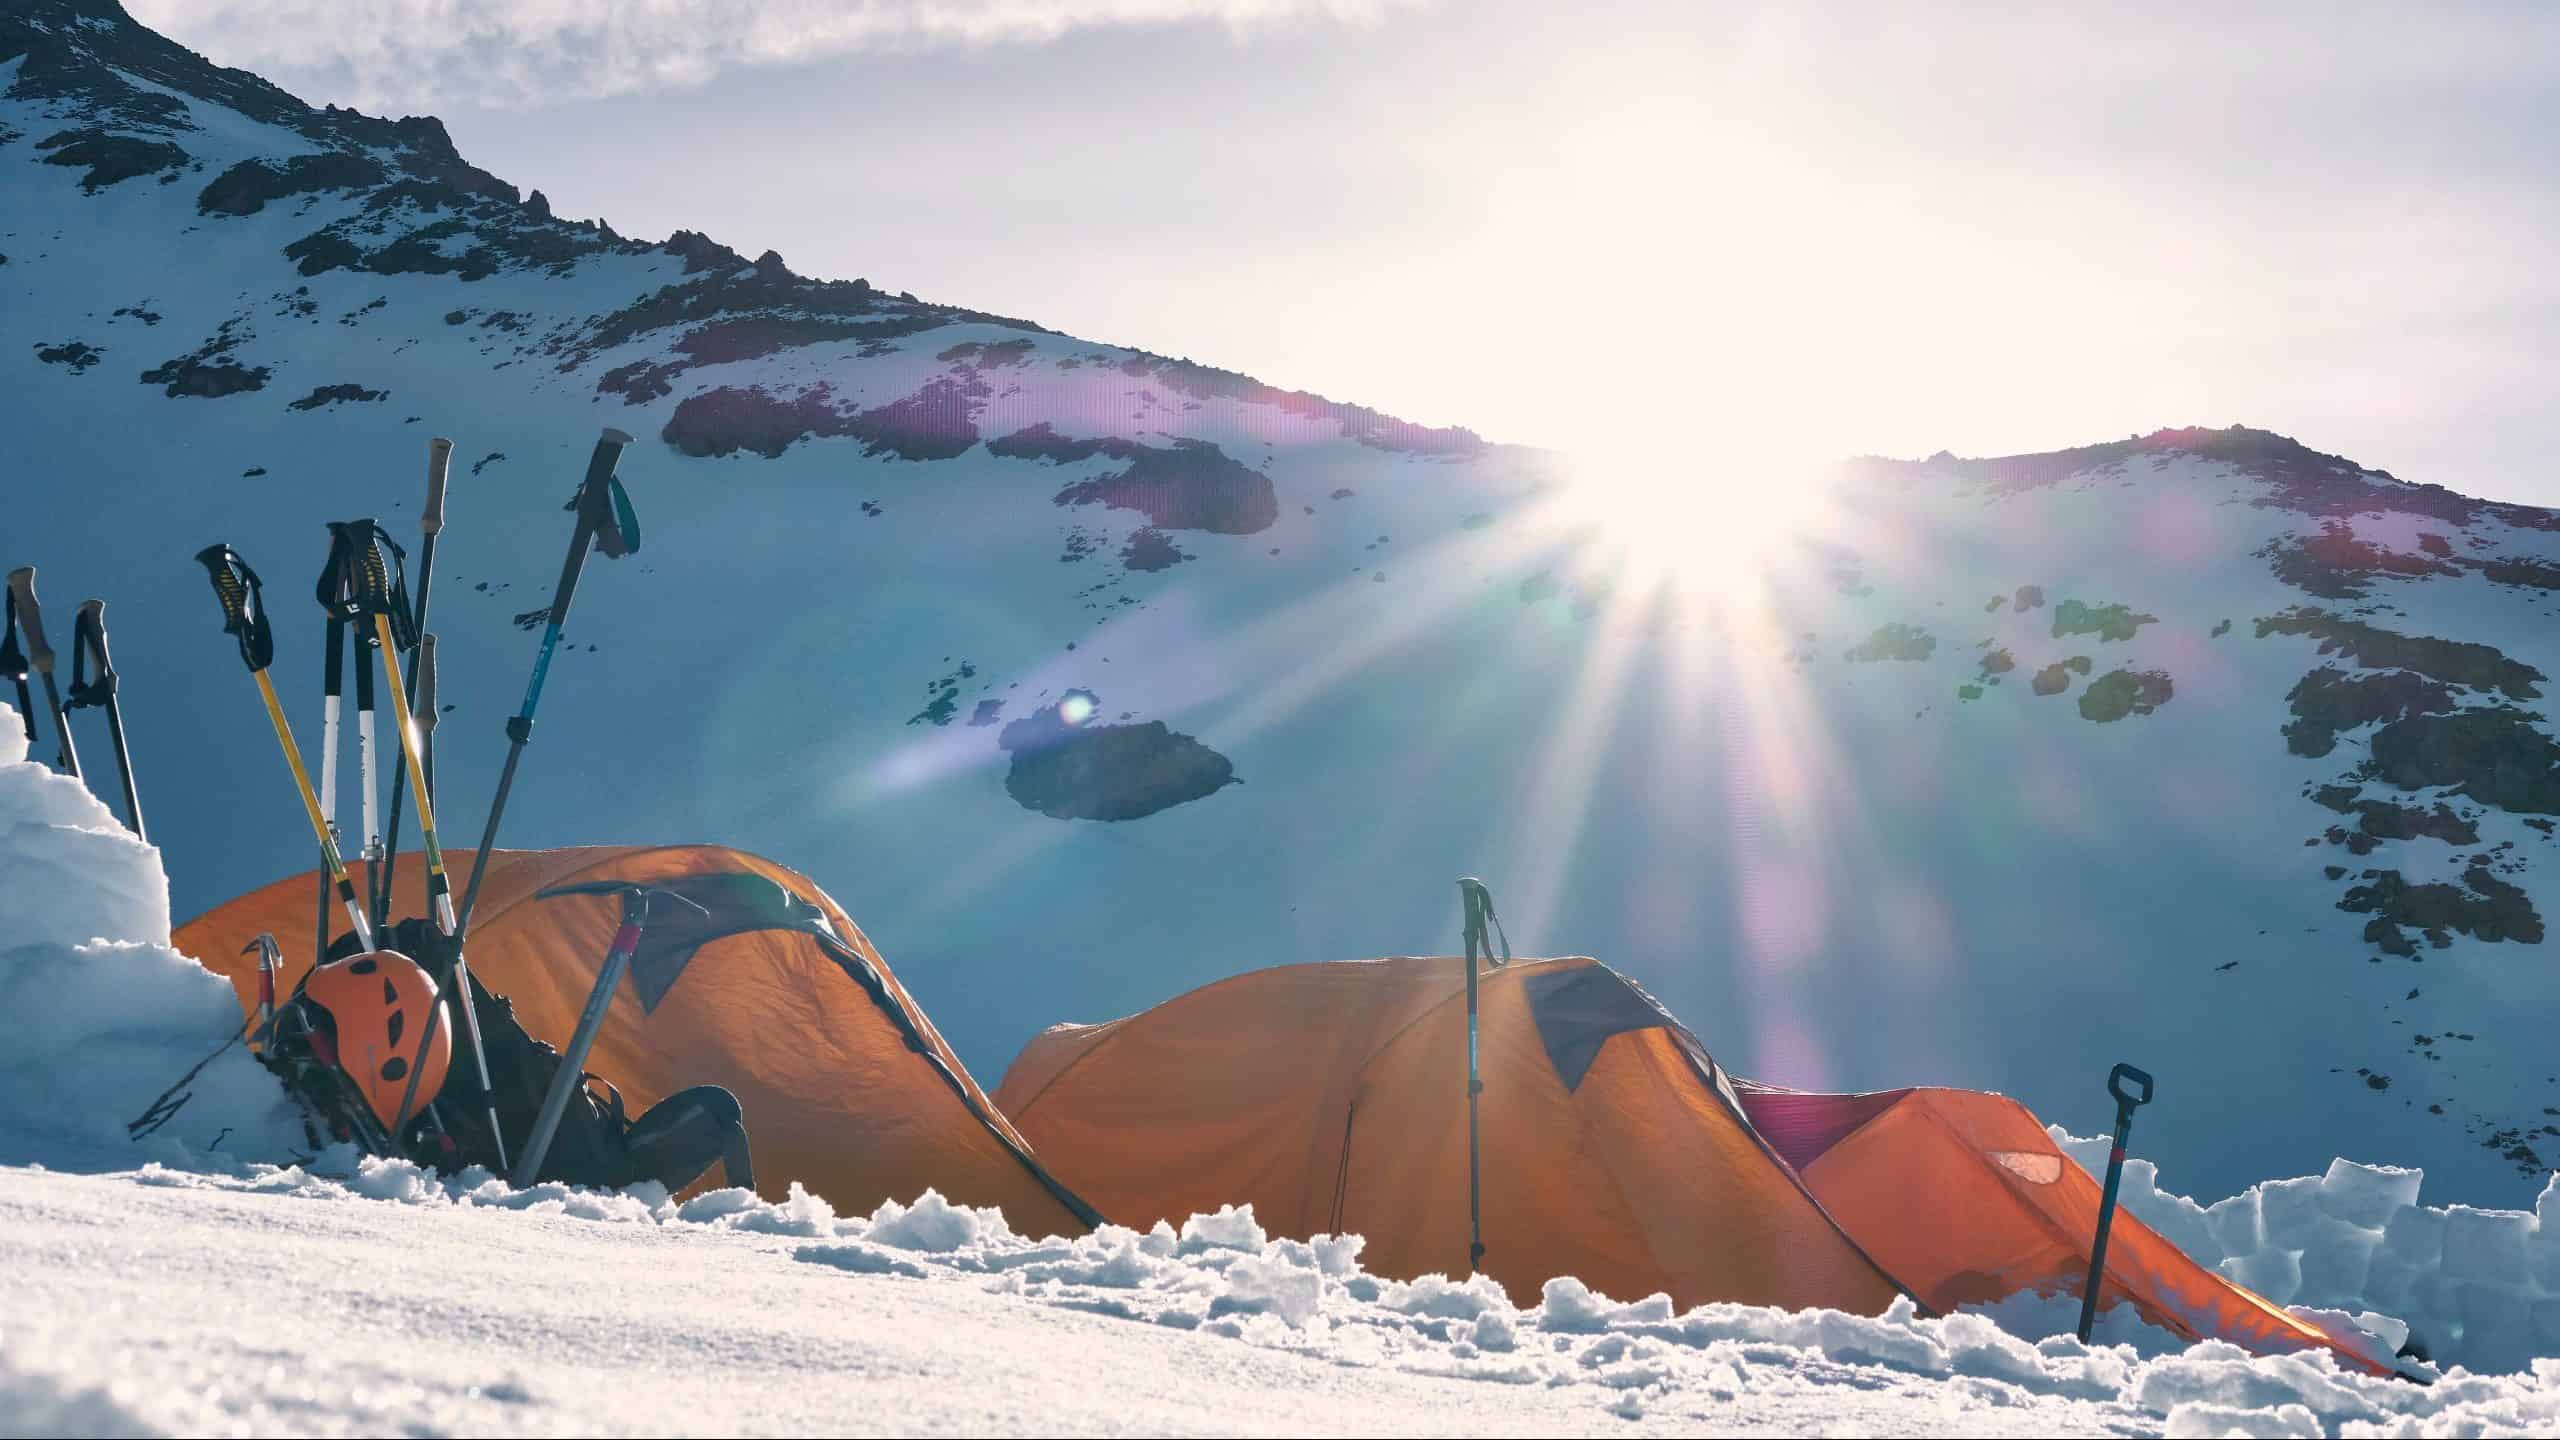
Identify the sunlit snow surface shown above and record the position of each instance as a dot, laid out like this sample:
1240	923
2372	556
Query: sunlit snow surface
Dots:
283	1302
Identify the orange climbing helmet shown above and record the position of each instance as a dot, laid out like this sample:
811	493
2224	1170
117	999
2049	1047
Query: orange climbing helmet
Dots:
376	1003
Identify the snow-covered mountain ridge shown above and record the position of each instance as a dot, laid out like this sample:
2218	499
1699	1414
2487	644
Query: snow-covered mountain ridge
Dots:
1083	675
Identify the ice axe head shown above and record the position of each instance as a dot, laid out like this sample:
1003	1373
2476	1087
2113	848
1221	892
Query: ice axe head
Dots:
636	898
244	607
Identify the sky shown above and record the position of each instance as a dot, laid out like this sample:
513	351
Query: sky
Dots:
1766	233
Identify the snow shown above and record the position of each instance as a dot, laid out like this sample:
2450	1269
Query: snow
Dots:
105	1015
2354	1244
364	1296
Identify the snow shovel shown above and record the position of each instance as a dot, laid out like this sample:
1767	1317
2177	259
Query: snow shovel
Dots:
2125	1106
573	1061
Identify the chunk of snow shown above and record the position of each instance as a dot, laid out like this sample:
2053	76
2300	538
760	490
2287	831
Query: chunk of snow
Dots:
2367	1195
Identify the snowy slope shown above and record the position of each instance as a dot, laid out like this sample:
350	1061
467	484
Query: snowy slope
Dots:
287	1303
869	516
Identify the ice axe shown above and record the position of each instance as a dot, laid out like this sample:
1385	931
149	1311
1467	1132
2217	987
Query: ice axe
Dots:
2125	1106
636	900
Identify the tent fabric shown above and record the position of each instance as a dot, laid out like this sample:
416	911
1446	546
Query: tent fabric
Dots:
1966	1199
777	996
1332	1097
1578	1010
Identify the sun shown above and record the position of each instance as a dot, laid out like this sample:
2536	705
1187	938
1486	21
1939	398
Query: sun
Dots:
1701	528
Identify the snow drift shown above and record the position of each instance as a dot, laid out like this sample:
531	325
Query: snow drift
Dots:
932	1316
105	1013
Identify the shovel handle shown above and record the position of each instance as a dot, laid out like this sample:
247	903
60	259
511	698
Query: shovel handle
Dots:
2116	1079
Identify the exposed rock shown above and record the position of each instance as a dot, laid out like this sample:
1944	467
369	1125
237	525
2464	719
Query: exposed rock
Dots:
982	355
1189	485
2483	907
110	159
2051	680
937	422
2493	753
2119	693
247	187
335	394
78	355
2328	701
2456	662
208	372
2335	565
2029	597
1150	549
1894	641
2107	622
1084	771
729	419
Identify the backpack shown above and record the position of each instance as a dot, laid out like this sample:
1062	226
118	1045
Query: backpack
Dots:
597	1143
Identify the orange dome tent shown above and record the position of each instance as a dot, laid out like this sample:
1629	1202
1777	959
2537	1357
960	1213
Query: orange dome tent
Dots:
1615	1149
775	995
1332	1097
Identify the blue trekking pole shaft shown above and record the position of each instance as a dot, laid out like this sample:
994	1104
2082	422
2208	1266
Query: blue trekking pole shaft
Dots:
2125	1105
1472	895
602	519
595	508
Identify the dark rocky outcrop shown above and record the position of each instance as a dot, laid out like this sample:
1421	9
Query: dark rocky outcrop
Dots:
209	372
1086	771
1894	641
337	394
1187	485
2492	754
2483	907
75	355
1150	549
2455	662
2120	693
2328	701
2107	622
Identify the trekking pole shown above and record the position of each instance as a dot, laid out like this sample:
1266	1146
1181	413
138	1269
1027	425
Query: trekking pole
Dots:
2125	1105
573	1061
88	639
13	663
244	616
22	598
369	590
605	521
421	661
1477	903
333	681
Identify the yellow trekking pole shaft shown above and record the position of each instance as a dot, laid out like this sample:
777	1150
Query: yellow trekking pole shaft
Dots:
311	807
439	887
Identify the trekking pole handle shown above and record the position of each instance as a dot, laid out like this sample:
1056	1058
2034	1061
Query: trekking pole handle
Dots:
244	615
89	639
439	463
22	584
422	699
2116	1079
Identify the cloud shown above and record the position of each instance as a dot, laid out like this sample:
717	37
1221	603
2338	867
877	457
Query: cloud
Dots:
398	55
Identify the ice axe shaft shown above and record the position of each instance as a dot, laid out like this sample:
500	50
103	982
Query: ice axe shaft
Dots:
636	900
2125	1106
